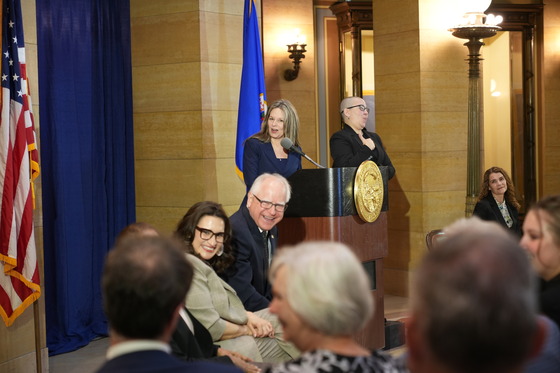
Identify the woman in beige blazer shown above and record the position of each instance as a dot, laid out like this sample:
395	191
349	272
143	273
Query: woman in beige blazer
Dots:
206	233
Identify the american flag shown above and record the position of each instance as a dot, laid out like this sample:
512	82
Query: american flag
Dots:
19	166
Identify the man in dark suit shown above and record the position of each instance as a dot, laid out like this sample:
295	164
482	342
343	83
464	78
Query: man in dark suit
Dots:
254	239
145	281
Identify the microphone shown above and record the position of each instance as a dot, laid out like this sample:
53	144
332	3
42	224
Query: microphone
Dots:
289	146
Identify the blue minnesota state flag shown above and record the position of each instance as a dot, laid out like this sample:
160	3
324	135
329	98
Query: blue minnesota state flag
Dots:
252	95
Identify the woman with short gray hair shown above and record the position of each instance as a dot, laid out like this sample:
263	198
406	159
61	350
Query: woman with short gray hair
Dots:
322	297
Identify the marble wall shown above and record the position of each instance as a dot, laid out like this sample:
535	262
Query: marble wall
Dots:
548	144
186	58
421	111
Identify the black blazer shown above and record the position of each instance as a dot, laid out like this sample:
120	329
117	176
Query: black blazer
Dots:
487	209
149	361
549	298
199	346
248	275
347	150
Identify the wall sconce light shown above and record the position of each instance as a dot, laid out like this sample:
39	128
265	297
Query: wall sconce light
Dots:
474	26
297	53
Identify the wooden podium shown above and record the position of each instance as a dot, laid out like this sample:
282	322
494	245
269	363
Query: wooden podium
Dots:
322	208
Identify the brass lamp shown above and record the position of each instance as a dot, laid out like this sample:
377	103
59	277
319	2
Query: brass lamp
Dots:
475	26
297	53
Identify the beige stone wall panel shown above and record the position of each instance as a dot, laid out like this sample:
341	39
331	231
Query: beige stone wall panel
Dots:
444	131
145	8
401	132
169	183
441	51
223	184
397	16
549	149
173	87
405	211
165	219
231	7
443	91
225	30
408	170
551	171
219	86
219	132
442	208
289	12
168	135
444	171
400	53
398	93
165	39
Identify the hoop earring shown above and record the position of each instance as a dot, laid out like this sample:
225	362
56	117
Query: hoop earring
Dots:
221	251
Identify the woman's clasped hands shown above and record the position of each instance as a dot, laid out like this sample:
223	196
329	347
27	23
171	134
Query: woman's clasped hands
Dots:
259	327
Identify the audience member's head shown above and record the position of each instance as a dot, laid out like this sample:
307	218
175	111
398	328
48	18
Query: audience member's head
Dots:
541	236
491	181
319	288
473	303
134	230
145	281
354	112
268	199
206	232
282	111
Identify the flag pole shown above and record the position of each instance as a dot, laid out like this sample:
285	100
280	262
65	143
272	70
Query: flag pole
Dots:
37	322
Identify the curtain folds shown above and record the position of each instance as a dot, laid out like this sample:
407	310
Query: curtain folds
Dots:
86	129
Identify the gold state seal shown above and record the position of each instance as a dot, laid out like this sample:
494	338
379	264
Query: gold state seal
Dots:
368	191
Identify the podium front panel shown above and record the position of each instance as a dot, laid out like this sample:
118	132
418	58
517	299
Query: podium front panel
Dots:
367	240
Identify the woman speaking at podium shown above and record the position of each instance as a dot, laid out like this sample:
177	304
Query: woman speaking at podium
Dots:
353	145
263	152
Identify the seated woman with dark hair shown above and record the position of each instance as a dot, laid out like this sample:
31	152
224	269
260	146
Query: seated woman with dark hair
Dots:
190	340
206	233
496	200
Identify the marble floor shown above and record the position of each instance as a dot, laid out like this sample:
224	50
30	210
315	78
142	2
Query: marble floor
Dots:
89	358
85	360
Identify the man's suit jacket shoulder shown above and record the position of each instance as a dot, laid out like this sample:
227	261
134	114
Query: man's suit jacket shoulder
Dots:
160	362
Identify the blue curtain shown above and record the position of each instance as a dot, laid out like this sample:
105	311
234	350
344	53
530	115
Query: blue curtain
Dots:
87	160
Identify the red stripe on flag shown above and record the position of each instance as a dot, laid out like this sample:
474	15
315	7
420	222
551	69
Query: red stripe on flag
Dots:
19	166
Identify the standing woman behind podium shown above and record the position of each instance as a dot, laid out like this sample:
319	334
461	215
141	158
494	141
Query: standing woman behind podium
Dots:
354	144
263	152
496	200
